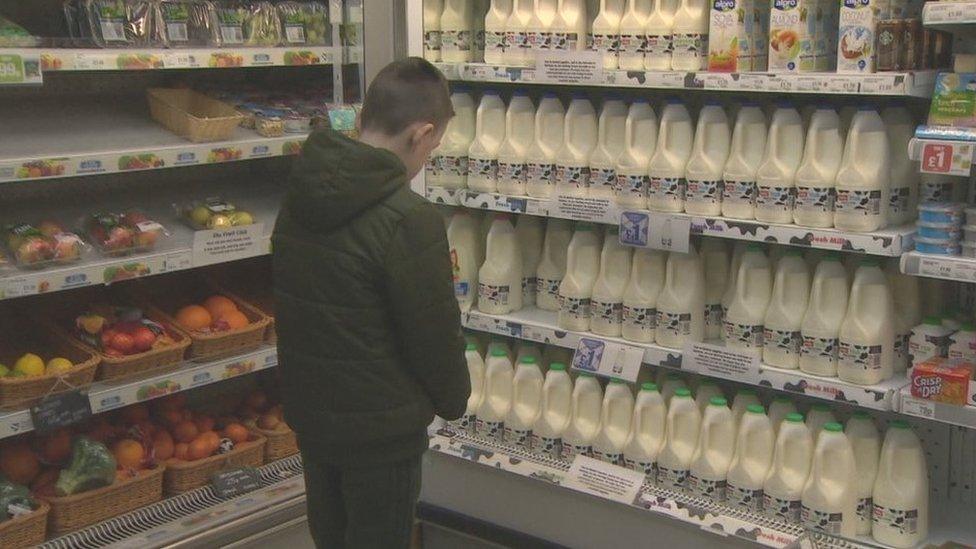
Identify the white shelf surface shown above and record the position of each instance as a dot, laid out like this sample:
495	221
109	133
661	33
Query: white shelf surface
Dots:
126	59
946	267
948	14
962	415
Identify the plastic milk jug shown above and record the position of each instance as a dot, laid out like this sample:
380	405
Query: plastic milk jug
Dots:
903	193
707	390
753	456
525	349
863	178
901	490
640	140
585	422
659	48
569	26
457	38
432	30
500	277
557	410
789	471
671	383
689	36
519	136
784	316
604	35
818	416
633	37
498	395
743	323
666	188
646	431
715	256
746	153
716	445
867	335
489	134
825	313
829	501
476	372
709	153
738	249
579	139
517	45
452	155
847	113
552	264
908	310
479	10
615	417
775	180
929	339
498	342
465	248
681	303
779	408
496	22
576	288
680	442
815	177
530	235
606	305
539	28
639	315
744	398
962	344
526	402
866	442
610	144
540	160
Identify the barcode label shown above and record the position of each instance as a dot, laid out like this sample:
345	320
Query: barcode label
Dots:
232	34
295	34
177	32
113	31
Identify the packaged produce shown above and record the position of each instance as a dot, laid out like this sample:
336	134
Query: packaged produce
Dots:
13	35
248	23
943	380
954	100
118	23
187	23
214	213
122	233
43	245
269	126
120	331
304	23
15	499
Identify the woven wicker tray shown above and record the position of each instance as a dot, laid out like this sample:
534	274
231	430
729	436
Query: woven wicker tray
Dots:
70	513
26	530
182	476
192	115
281	443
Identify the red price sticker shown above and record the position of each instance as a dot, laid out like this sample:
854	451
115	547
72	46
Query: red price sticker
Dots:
947	158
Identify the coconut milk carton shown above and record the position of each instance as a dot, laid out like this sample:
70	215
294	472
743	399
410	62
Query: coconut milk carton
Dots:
855	35
793	28
732	26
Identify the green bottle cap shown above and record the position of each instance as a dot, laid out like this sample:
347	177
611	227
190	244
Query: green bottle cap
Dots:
470	347
833	427
899	424
718	401
649	387
498	352
528	359
755	409
557	366
794	417
683	392
932	320
586	374
617	380
748	392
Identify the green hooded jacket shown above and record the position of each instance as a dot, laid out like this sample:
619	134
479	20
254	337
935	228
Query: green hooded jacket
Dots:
369	332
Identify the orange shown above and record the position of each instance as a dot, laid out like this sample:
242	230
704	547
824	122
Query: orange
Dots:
236	432
199	449
181	451
185	431
269	422
204	423
55	448
18	463
193	317
163	445
128	454
212	438
218	305
175	401
235	320
171	417
134	414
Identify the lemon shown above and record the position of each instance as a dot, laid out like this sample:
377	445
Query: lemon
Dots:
29	365
200	215
4	371
57	366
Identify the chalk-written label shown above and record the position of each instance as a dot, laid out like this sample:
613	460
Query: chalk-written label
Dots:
60	410
228	484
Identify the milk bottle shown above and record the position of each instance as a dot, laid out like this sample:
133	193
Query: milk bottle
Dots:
576	288
476	372
489	134
452	155
552	265
862	181
500	277
457	40
585	422
753	456
646	431
672	382
526	402
716	445
529	232
963	343
790	469
743	323
738	249
517	45
633	35
604	35
525	350
556	411
744	398
908	310
901	491
819	415
829	501
706	391
498	342
666	188
552	354
784	316
498	395
465	249
615	417
680	442
681	303
903	194
539	29
660	26
779	408
496	21
710	151
569	26
824	148
775	180
579	139
432	30
929	339
479	10
715	257
610	144
825	313
689	36
640	140
540	159
866	442
639	315
746	153
519	136
867	335
606	306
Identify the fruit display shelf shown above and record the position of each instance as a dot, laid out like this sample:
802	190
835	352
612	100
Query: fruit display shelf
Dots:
962	415
946	267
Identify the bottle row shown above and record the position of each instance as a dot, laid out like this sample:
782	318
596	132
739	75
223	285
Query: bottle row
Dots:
809	470
775	163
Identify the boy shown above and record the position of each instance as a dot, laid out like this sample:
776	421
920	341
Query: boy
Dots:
369	333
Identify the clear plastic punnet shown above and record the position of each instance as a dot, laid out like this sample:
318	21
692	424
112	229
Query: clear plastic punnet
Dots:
120	233
214	213
304	23
42	245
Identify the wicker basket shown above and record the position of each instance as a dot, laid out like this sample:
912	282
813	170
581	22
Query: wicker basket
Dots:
192	115
26	530
253	285
70	513
182	476
281	443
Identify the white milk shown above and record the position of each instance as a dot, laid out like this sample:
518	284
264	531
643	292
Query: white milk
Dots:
705	392
680	443
517	44
779	408
829	501
452	155
552	264
639	315
524	349
610	143
775	180
670	385
862	181
908	308
569	26
815	177
476	373
500	277
666	188
604	35
576	288
498	395
647	431
709	153
606	305
432	29
585	422
579	139
501	343
962	344
689	36
496	22
519	137
615	417
640	140
659	47
901	490
787	306
526	402
867	335
753	456
556	412
715	257
539	28
489	134
479	10
457	38
866	442
530	236
716	446
744	398
738	249
903	192
633	35
745	156
789	471
540	159
825	313
743	323
929	339
819	415
681	303
465	248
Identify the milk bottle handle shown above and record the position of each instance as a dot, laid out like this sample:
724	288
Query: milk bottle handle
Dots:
740	280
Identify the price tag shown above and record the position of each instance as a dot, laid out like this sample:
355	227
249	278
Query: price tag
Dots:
476	321
15	422
533	333
840	84
608	358
570	67
228	484
947	158
20	69
918	407
18	287
177	262
948	268
178	60
603	480
719	361
658	231
60	410
881	85
231	244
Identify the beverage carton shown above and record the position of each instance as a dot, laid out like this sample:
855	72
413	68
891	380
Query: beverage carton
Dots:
944	380
732	26
792	35
855	36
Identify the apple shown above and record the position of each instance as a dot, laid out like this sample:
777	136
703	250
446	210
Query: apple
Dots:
67	247
34	250
127	327
50	228
123	343
143	339
119	238
146	239
106	338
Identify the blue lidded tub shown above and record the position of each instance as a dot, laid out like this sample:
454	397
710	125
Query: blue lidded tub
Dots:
941	212
937	246
939	231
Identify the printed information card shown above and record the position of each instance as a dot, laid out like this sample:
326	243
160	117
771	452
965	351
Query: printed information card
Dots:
601	479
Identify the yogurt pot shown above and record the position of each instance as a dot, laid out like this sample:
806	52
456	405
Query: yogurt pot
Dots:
940	212
937	246
971	215
942	231
969	233
969	249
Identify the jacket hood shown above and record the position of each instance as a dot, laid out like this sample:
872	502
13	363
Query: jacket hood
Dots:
336	178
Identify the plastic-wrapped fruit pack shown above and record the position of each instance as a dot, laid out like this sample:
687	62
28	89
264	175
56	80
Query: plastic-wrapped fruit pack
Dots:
42	245
117	234
304	23
248	23
214	213
187	23
117	23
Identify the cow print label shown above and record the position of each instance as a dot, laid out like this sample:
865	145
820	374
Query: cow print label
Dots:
703	192
565	40
540	174
495	41
859	357
518	437
576	308
739	192
607	311
494	430
457	40
569	451
603	177
469	423
549	446
929	191
432	40
614	458
540	40
639	319
814	200
749	336
632	185
854	201
549	287
746	498
821	521
509	172
788	509
573	176
673	479
898	200
529	287
649	468
782	340
604	43
707	488
775	199
495	295
483	167
864	506
632	45
819	347
659	44
517	40
903	520
713	316
666	188
454	165
433	166
676	324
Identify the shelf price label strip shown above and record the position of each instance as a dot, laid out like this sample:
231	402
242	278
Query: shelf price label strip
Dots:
20	67
944	157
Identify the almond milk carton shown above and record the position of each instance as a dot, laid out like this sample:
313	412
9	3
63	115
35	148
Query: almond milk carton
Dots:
793	35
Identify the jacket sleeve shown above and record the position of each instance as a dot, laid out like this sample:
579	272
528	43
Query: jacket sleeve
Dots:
419	282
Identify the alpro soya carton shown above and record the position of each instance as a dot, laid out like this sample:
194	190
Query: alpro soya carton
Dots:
856	33
793	35
734	27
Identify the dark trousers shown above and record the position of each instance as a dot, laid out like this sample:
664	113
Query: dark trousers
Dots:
362	507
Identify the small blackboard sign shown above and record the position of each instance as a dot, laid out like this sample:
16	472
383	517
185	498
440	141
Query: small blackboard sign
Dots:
235	482
60	410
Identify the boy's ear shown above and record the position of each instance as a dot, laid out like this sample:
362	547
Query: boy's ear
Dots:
421	132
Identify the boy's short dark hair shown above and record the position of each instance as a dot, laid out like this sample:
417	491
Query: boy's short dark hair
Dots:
404	92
